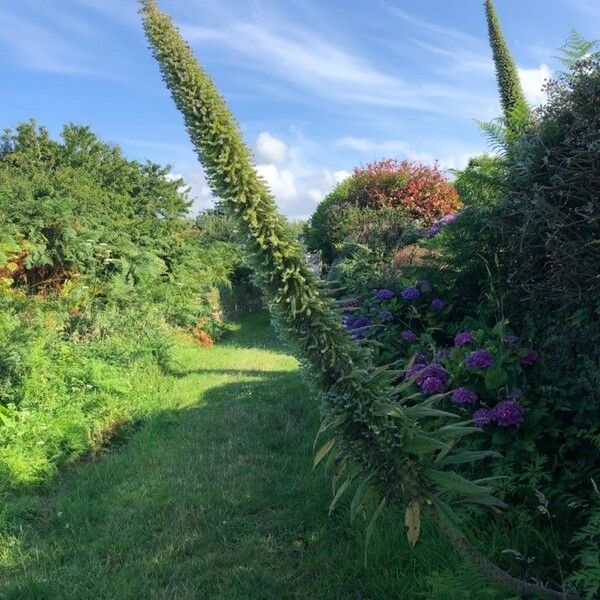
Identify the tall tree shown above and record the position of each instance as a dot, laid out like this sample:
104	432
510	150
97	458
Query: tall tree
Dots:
375	437
511	92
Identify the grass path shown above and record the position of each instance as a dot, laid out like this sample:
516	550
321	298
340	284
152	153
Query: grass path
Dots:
212	496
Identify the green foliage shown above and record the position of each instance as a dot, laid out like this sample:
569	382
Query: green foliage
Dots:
511	93
97	258
576	48
480	182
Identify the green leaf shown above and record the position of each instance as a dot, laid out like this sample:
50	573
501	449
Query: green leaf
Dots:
359	496
371	525
495	377
323	451
467	457
423	444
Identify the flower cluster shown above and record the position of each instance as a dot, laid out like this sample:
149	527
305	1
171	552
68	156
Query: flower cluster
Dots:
507	413
383	294
356	325
463	338
410	293
480	359
437	304
437	226
430	378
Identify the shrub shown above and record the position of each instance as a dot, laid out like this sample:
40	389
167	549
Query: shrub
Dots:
378	204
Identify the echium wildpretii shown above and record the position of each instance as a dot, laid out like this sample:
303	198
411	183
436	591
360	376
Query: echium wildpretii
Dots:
373	436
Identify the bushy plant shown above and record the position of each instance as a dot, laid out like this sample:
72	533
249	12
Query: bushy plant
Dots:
379	204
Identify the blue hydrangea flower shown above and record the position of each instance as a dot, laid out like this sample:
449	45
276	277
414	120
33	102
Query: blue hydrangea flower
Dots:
483	417
464	395
437	304
434	230
383	294
463	338
529	358
432	385
480	359
409	336
509	413
410	293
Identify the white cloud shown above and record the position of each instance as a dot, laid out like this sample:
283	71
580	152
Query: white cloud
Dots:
281	182
271	149
532	81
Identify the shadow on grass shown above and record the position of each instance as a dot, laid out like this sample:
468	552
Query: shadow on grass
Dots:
213	501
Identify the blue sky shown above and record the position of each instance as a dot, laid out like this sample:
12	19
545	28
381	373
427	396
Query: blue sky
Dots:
317	86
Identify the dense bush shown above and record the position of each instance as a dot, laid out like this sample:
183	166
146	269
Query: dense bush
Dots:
98	258
380	205
517	275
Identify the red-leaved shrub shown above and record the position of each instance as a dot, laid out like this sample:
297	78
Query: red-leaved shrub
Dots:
420	189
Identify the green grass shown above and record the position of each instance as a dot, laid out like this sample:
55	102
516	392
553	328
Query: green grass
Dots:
213	495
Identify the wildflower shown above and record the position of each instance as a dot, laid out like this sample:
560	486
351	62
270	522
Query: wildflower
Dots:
509	413
464	396
414	370
383	294
438	304
463	338
385	315
409	336
410	293
447	219
529	358
432	385
510	339
434	370
483	417
434	230
480	359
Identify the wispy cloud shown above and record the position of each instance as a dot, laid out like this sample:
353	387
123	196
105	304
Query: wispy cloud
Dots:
38	48
429	26
305	59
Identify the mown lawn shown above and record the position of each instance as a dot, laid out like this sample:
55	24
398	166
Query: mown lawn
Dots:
213	496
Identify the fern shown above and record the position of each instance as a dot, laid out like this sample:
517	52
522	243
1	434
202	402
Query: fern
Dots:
575	49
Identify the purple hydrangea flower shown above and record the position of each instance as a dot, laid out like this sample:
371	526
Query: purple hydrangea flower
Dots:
509	413
438	304
434	370
432	385
434	230
383	294
424	284
483	417
509	338
409	336
414	370
529	358
410	293
463	338
480	359
441	354
447	219
385	315
464	396
420	357
352	303
515	394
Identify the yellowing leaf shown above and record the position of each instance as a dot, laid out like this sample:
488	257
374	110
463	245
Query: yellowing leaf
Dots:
412	520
